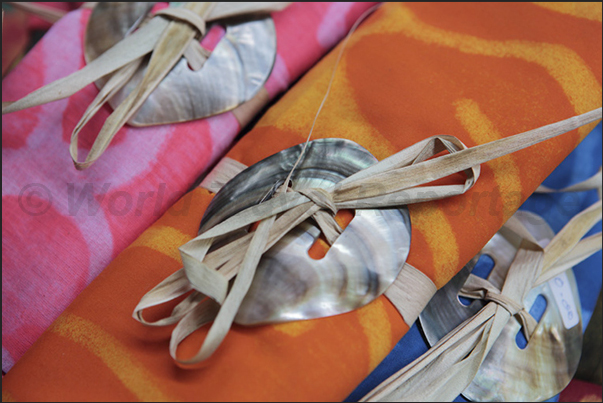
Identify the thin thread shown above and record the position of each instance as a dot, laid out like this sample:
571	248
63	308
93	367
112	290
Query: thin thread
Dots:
136	24
285	185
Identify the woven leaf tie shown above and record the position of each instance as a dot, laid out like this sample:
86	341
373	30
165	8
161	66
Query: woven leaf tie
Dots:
195	54
326	222
186	15
450	365
167	51
400	179
167	41
321	198
479	288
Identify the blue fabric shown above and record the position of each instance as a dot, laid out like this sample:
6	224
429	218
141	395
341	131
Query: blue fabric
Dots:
557	209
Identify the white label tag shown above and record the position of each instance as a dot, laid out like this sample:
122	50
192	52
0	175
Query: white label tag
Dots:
565	300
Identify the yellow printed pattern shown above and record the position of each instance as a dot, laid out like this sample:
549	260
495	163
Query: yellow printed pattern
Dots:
116	357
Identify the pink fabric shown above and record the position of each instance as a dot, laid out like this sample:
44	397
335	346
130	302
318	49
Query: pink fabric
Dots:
60	226
35	22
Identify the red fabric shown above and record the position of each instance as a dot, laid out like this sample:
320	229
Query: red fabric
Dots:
581	391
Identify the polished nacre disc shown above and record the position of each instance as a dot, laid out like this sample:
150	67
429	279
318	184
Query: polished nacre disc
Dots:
361	264
509	373
236	70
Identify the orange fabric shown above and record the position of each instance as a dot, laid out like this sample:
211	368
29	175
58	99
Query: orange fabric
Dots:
476	71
